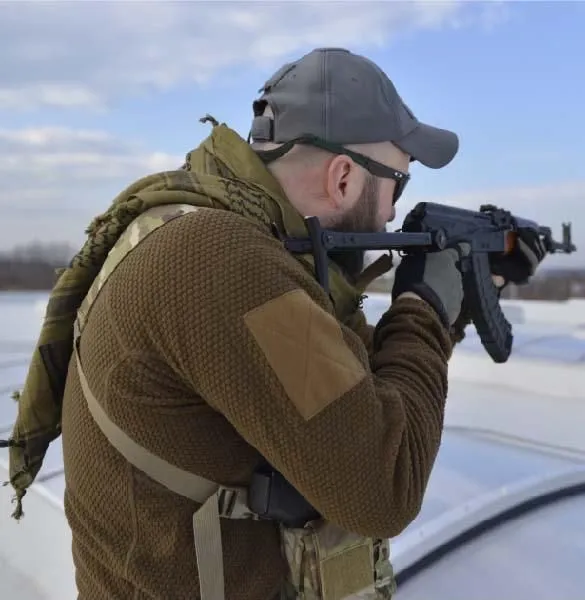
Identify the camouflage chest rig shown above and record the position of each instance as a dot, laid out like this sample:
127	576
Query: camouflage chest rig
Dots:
324	561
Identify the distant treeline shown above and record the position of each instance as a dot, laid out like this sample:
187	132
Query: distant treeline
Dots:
552	284
32	267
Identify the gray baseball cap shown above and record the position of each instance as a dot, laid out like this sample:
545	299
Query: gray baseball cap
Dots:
344	98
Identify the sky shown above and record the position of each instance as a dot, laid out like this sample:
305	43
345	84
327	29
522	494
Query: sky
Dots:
94	95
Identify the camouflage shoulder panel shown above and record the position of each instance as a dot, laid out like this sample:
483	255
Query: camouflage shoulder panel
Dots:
141	227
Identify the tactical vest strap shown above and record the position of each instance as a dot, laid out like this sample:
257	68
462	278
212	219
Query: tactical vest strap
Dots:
206	525
216	501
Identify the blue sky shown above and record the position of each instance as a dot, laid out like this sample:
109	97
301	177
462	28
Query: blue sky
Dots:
507	77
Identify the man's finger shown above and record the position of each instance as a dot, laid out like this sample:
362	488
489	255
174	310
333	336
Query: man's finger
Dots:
530	255
499	281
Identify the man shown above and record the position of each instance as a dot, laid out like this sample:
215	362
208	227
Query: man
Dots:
213	350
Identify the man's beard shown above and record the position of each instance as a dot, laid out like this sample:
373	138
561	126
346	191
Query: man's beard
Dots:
362	218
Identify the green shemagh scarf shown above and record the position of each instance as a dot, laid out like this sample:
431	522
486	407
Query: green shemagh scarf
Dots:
224	173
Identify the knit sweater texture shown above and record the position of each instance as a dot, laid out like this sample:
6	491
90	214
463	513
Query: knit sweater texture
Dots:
213	347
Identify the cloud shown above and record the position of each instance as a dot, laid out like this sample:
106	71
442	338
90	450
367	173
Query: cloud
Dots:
127	47
59	154
55	179
31	95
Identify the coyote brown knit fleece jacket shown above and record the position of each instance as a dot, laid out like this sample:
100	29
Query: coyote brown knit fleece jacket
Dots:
210	345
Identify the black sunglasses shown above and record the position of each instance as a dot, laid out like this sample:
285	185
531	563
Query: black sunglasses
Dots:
372	166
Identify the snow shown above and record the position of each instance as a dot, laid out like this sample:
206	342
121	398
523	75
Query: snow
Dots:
538	396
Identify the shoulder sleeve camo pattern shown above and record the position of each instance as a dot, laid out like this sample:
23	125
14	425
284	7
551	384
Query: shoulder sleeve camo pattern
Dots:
256	337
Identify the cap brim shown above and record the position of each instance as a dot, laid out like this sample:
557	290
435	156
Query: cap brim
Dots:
431	146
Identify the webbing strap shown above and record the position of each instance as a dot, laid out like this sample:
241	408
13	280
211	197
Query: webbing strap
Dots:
177	480
207	537
206	524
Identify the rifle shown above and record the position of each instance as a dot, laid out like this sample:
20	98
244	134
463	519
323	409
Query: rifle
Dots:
431	227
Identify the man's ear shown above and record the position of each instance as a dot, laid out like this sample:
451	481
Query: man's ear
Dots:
341	181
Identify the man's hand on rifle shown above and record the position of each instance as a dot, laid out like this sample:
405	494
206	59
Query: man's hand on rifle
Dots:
434	277
521	263
516	267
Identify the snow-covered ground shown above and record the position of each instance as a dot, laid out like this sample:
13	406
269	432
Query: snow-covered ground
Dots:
538	396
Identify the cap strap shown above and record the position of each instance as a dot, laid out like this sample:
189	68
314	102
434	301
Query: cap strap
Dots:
262	129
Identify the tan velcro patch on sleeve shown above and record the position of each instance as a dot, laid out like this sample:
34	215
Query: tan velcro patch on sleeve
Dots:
304	345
